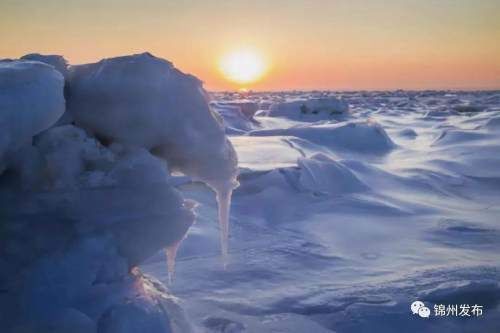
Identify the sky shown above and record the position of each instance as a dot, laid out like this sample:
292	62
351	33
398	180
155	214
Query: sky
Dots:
305	44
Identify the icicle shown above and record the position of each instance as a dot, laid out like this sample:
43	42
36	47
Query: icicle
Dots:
223	196
171	252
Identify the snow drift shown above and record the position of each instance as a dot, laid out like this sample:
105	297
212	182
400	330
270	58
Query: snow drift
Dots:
356	136
321	174
344	222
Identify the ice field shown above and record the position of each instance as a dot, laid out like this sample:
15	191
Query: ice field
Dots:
348	211
278	212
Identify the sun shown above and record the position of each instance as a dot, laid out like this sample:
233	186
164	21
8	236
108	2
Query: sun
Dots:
242	66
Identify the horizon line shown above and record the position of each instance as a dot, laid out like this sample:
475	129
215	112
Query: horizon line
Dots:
357	90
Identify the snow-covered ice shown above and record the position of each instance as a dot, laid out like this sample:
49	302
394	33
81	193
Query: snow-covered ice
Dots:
84	201
57	61
366	136
144	101
351	206
309	109
343	219
31	99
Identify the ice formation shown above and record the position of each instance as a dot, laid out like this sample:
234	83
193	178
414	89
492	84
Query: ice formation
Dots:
57	61
96	191
235	121
309	109
247	108
322	174
171	254
99	214
31	99
358	136
144	101
347	219
83	204
72	157
61	65
223	196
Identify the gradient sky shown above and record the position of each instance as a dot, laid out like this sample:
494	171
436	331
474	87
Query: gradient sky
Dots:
309	44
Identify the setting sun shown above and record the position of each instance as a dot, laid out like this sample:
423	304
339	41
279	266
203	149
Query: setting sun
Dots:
242	66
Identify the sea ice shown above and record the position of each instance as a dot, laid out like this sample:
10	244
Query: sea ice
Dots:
357	136
69	153
145	101
311	109
235	121
31	100
57	61
89	201
365	218
321	174
247	108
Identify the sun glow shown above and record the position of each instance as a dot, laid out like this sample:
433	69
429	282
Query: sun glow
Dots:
242	66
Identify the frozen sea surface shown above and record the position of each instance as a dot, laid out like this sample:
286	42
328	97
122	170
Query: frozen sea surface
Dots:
344	218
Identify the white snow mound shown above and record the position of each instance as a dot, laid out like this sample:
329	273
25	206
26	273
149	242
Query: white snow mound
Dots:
234	120
357	136
145	101
309	109
321	174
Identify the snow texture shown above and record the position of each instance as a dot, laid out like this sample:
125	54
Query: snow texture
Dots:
349	208
363	137
342	221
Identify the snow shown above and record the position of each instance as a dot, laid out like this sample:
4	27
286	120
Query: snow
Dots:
88	202
349	208
247	108
70	155
137	167
310	109
31	100
321	174
342	221
357	136
273	152
144	101
57	61
493	123
61	65
131	317
235	120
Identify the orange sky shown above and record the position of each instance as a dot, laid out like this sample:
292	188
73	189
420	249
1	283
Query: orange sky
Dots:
308	44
